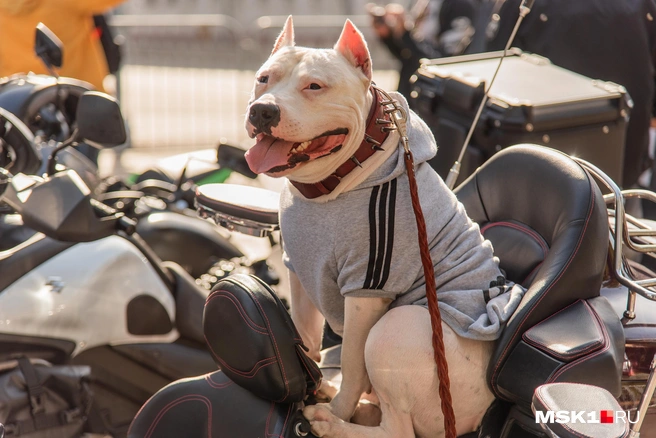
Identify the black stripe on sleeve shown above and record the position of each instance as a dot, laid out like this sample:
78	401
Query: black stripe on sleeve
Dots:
382	222
390	235
372	237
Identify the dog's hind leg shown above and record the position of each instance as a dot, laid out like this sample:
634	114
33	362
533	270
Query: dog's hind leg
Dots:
400	364
327	425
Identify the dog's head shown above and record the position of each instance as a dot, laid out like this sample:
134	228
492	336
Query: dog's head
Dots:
308	107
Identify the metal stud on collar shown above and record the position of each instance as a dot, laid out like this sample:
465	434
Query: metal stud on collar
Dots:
399	118
375	145
356	161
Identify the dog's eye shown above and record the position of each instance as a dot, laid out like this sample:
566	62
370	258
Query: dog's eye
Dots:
314	86
263	79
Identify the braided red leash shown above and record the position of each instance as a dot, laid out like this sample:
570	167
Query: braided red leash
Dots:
433	309
399	119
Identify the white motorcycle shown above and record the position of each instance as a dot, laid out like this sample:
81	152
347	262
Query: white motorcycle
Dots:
87	290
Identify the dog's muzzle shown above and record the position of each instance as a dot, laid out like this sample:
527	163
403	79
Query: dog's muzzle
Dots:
264	116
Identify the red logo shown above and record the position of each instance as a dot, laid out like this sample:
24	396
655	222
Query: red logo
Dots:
606	416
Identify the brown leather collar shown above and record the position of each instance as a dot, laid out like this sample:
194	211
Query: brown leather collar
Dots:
379	125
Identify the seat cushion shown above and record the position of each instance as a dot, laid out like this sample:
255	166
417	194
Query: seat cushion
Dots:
595	404
212	406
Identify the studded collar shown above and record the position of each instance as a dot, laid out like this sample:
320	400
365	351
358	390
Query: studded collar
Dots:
379	125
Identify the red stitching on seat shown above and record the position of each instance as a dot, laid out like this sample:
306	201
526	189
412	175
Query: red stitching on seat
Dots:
253	371
576	353
284	425
172	404
539	239
584	358
266	425
242	312
217	385
308	369
544	294
275	345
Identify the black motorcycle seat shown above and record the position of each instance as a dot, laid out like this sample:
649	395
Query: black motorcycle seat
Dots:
596	403
189	303
554	198
243	202
210	406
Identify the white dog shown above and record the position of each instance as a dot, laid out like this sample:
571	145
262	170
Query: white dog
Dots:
351	243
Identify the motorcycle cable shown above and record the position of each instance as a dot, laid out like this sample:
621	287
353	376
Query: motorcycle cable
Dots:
454	172
52	163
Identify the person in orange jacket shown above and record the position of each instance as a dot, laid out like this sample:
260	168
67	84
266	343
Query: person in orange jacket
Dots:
70	20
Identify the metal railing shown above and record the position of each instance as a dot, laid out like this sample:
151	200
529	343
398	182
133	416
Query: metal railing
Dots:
186	79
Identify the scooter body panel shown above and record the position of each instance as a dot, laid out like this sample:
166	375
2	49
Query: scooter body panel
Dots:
85	302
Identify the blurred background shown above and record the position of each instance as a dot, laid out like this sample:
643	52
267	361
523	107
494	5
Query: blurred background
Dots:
188	66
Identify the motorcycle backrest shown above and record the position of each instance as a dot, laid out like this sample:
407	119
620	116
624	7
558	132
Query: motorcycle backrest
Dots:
99	119
253	340
48	47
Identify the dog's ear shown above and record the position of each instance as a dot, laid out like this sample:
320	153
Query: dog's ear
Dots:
352	46
286	37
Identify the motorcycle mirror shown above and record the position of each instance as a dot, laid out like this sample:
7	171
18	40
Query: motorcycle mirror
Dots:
232	157
99	120
48	47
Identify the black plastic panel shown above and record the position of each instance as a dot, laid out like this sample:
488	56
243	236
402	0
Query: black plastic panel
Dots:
147	316
53	350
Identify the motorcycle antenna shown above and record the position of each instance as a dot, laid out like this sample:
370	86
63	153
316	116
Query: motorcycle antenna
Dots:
524	9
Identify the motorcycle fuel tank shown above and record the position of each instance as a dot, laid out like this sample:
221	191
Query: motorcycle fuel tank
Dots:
85	294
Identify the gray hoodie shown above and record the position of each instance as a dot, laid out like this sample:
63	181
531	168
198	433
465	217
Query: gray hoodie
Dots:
364	244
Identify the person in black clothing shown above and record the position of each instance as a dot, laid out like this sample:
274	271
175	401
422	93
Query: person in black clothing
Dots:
611	40
431	29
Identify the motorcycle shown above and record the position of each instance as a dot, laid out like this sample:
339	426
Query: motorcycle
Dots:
581	341
159	197
134	319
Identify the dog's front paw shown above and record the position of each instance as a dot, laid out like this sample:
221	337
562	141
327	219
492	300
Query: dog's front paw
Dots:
321	419
326	392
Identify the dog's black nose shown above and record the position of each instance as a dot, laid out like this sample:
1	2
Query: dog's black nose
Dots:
264	116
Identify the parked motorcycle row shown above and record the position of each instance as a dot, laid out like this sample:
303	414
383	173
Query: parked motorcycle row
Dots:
101	273
103	285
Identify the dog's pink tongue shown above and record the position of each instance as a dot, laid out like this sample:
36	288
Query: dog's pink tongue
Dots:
268	153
